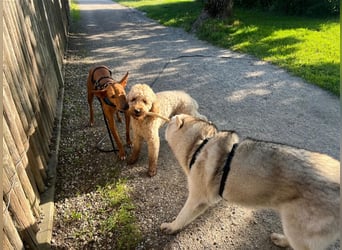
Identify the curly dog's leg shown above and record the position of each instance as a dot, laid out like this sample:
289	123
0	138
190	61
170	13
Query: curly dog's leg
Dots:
127	122
137	141
153	152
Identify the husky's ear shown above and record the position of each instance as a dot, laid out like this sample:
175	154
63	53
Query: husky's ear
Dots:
179	121
235	137
155	107
124	80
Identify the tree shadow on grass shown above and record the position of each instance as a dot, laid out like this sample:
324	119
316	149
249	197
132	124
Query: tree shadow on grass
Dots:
277	40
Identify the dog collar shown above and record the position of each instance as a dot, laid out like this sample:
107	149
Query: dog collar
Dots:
198	150
226	168
108	102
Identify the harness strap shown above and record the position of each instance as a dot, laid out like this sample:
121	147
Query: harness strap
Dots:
198	150
226	169
99	86
99	67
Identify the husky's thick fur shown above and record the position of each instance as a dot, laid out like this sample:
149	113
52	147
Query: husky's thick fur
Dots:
303	186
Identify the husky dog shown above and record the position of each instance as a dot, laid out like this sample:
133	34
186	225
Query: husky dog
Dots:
303	186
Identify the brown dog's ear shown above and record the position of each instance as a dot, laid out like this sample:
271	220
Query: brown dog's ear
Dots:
100	93
155	107
124	80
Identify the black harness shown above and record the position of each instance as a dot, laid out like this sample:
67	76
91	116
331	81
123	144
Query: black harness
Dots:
194	156
226	167
97	81
99	86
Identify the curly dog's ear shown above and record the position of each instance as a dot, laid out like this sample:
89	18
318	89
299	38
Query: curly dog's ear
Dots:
155	107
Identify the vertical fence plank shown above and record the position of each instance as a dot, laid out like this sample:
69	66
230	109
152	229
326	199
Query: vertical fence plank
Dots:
17	203
17	72
24	173
11	237
14	127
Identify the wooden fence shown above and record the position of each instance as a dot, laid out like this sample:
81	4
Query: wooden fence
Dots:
34	42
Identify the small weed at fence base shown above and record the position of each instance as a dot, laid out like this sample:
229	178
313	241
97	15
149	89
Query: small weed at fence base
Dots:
74	10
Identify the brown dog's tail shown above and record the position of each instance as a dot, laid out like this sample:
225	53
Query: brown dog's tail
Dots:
159	116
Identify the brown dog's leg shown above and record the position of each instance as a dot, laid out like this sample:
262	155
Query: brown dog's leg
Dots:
153	152
127	122
137	141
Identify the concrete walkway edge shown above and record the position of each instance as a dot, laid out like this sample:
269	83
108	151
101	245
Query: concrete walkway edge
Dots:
47	204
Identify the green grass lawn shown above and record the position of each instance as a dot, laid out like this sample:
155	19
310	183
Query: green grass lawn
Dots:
306	47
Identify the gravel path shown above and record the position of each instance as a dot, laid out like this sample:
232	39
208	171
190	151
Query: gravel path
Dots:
235	91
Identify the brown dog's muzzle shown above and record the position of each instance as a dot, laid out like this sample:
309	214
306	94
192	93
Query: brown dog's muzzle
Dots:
125	107
123	104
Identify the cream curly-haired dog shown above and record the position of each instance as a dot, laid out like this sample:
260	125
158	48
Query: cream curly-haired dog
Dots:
142	102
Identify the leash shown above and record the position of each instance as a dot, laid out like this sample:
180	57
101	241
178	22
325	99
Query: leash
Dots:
109	134
226	168
190	56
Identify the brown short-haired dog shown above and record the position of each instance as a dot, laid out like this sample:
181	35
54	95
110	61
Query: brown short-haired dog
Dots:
112	95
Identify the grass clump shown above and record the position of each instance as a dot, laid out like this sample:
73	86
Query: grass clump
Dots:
74	10
106	215
121	221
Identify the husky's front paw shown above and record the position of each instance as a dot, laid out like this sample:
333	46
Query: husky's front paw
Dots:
168	228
